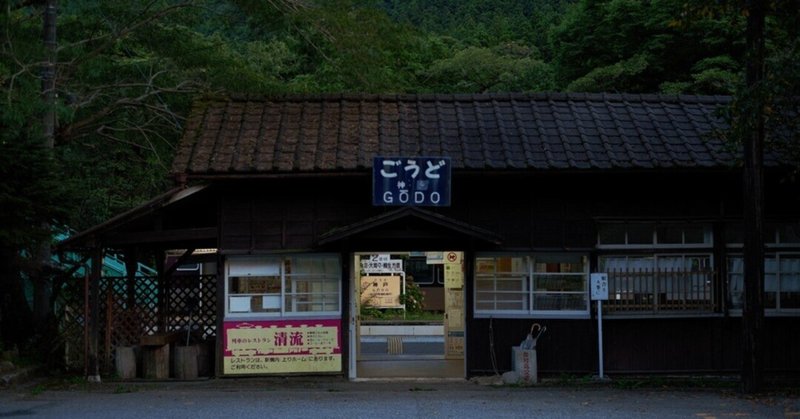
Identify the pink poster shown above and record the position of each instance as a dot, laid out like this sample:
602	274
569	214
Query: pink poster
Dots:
282	346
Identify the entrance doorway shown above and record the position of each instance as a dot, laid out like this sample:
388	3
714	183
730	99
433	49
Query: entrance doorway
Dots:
407	315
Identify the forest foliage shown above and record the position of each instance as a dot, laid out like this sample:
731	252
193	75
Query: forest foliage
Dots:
127	73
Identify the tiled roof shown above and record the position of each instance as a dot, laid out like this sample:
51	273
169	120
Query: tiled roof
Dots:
308	134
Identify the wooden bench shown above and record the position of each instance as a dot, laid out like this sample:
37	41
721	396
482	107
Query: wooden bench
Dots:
156	353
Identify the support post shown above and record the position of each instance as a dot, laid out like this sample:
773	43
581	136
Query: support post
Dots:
93	370
131	265
600	339
163	304
220	318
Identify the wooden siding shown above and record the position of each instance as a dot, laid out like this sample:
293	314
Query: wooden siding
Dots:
535	212
530	214
648	345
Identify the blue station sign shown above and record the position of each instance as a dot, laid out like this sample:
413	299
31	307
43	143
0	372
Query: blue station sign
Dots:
411	181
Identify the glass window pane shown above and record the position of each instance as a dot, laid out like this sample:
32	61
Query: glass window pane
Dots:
695	234
485	266
253	266
611	234
640	233
510	264
418	270
484	284
789	233
559	283
669	234
770	290
511	282
735	287
254	285
770	264
559	263
697	263
559	302
670	263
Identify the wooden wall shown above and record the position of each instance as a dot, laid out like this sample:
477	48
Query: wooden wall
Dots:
552	211
549	212
650	345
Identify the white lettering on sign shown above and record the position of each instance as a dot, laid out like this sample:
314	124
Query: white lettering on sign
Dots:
404	197
390	167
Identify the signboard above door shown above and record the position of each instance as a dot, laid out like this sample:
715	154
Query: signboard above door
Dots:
411	181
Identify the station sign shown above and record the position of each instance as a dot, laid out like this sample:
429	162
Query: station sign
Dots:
381	263
411	181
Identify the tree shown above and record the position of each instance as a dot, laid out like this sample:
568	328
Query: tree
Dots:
764	117
507	68
114	102
753	138
635	46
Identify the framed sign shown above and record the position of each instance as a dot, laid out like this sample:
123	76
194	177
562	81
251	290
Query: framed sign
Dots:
282	346
381	291
411	181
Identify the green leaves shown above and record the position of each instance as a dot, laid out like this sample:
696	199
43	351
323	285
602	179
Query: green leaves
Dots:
633	46
476	69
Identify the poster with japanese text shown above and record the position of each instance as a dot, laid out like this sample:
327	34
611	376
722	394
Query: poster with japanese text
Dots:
381	291
282	346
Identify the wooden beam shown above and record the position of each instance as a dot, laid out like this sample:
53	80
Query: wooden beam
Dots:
171	270
151	237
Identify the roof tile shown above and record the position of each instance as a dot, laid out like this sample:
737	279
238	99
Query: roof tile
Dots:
329	133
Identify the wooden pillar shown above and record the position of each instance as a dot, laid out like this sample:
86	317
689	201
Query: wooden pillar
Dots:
161	291
92	360
720	282
219	341
131	265
346	259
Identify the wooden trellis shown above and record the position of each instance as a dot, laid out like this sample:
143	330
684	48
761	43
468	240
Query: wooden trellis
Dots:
129	310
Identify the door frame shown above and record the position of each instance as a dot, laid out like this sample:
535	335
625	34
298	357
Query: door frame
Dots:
354	315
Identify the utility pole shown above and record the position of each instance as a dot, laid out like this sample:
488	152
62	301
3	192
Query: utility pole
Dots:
753	194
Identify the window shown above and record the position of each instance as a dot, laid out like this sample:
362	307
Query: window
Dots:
423	273
501	284
659	267
781	282
283	286
659	282
544	284
775	234
643	235
781	267
559	283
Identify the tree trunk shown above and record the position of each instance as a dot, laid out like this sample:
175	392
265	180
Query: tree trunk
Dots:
42	274
49	73
753	309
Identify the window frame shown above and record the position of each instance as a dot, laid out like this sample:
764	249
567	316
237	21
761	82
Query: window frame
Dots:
708	236
528	290
288	282
776	311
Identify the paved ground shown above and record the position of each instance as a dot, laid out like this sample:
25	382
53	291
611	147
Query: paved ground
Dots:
338	398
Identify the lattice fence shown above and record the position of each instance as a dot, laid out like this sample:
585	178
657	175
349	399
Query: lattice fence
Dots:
129	310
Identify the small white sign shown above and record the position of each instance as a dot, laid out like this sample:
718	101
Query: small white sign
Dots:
239	304
599	286
381	263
